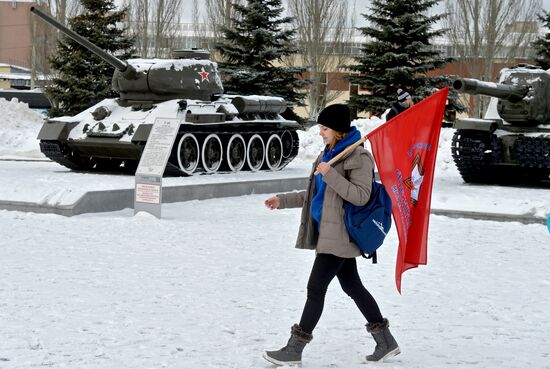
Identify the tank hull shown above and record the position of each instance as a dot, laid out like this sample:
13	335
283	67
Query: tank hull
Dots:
212	137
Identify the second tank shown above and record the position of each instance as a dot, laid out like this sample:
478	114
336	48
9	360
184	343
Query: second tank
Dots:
512	142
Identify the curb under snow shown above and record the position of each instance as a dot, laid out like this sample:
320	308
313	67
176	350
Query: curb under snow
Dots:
114	200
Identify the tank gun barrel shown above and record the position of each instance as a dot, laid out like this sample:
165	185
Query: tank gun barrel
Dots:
498	90
114	61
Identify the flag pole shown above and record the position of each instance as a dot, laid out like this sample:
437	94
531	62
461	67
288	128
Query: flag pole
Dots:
345	151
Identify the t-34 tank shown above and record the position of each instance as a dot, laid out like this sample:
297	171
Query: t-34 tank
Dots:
217	132
512	143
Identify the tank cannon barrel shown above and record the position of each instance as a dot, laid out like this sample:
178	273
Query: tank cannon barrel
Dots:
498	90
122	66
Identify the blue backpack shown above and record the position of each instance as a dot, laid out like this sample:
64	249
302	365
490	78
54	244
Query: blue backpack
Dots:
369	224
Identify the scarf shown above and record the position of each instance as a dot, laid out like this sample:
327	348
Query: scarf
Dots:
320	185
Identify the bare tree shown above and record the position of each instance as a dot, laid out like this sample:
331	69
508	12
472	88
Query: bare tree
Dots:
138	24
199	27
44	36
483	31
155	25
60	9
167	22
324	29
218	15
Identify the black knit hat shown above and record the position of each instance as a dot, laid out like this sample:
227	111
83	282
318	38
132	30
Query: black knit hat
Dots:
402	95
336	117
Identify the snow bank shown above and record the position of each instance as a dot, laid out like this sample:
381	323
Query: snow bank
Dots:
19	127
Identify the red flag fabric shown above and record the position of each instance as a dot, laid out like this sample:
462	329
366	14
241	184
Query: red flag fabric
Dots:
405	150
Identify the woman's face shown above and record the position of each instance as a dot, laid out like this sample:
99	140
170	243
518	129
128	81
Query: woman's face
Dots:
327	134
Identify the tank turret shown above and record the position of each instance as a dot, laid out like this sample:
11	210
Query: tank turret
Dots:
512	142
217	131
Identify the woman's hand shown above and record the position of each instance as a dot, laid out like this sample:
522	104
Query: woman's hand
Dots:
323	168
273	202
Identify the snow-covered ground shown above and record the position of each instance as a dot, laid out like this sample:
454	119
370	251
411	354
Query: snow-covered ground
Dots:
216	282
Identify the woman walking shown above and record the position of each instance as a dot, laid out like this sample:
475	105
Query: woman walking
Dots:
322	228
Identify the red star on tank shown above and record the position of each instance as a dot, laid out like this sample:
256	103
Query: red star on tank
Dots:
204	76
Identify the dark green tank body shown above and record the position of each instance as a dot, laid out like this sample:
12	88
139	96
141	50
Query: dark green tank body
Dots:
512	143
217	131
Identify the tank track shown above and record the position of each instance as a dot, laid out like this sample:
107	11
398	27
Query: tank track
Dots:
478	155
533	155
475	154
62	154
533	152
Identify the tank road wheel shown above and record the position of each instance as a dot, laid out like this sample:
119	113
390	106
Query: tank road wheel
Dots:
274	152
212	153
255	153
287	142
188	153
236	152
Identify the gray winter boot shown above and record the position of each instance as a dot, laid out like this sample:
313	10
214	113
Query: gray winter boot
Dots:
291	354
386	346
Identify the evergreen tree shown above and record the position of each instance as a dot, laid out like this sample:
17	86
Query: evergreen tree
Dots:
398	54
252	46
542	44
84	78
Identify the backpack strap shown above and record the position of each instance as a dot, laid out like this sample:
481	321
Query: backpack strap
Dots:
373	257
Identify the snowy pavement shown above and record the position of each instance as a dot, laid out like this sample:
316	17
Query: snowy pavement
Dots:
48	183
52	184
216	282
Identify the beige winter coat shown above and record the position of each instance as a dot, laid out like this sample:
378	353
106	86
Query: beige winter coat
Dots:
332	237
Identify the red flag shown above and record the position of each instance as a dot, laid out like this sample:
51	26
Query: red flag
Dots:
405	149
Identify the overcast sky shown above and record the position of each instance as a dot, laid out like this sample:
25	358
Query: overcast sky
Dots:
361	7
363	4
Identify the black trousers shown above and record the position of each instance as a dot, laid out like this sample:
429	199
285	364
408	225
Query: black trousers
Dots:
325	268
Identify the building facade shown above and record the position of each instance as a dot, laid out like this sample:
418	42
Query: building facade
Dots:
16	77
16	40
